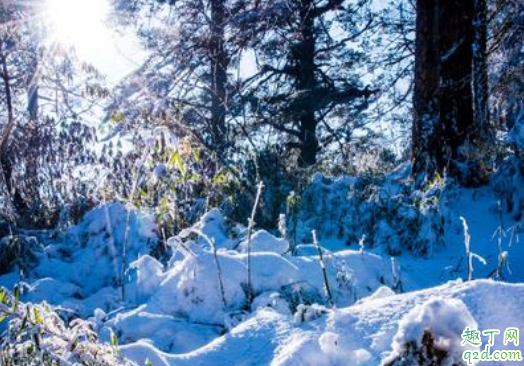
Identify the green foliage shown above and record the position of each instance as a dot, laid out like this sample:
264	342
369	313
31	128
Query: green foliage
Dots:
114	340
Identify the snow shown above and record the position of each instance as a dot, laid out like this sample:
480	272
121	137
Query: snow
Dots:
212	225
191	287
381	293
273	300
82	265
262	241
169	333
444	319
196	308
148	274
368	332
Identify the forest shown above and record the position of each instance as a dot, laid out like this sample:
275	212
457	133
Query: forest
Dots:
261	182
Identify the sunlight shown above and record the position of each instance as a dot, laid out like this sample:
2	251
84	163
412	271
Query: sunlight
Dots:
79	23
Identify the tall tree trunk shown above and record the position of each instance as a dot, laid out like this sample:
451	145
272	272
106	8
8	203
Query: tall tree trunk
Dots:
480	72
427	74
444	128
219	66
456	98
305	58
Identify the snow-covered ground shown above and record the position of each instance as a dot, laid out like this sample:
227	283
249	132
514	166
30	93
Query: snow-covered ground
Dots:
362	334
213	303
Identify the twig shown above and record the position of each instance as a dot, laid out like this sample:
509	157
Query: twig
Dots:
211	243
128	219
469	254
323	267
397	280
467	240
250	227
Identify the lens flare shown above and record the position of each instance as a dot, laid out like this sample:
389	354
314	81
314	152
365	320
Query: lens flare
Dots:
78	23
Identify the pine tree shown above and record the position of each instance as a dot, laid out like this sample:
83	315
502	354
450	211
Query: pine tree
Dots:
307	73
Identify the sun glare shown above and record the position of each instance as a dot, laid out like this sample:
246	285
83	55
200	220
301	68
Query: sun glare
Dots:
79	23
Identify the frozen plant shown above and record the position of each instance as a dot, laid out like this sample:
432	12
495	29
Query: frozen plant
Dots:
292	206
282	225
398	286
211	242
323	267
469	254
361	243
37	335
250	227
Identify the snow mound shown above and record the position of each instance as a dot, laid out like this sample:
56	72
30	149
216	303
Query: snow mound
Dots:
83	265
213	226
193	287
381	293
147	273
444	320
262	241
207	289
170	334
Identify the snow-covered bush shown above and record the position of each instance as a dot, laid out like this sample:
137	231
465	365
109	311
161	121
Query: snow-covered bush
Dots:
87	259
306	313
146	275
510	177
388	212
430	335
205	280
191	288
262	241
35	335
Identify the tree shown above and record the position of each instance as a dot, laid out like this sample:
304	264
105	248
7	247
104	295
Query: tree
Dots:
44	93
17	59
445	132
189	71
307	69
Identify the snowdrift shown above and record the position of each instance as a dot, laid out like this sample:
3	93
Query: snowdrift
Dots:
367	333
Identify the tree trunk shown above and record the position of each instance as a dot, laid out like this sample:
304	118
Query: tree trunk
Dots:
6	134
305	59
219	65
444	128
425	100
456	98
5	163
480	72
9	105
